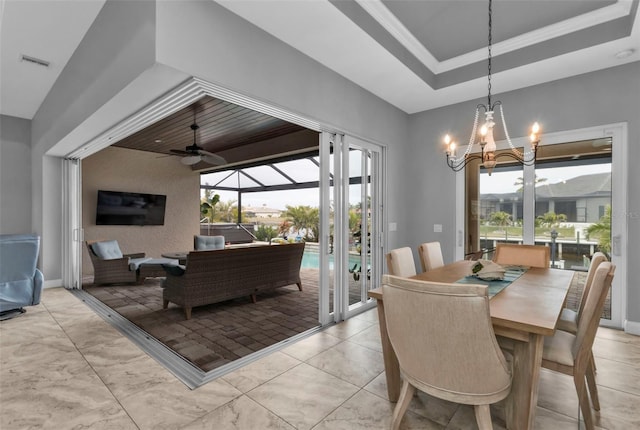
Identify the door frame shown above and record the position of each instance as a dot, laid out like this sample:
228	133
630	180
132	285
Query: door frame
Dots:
618	132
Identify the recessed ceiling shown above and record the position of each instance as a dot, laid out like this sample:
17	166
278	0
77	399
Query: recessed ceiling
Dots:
416	55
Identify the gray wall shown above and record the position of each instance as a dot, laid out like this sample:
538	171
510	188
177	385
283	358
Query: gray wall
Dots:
131	41
115	63
15	175
602	97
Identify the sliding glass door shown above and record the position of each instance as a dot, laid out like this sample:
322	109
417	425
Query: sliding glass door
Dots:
568	201
351	216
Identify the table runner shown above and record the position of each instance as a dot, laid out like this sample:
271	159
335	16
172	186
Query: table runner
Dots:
511	274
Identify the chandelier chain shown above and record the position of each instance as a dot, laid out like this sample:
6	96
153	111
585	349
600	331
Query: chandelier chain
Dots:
489	60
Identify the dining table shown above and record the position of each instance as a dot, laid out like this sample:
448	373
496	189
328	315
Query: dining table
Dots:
522	313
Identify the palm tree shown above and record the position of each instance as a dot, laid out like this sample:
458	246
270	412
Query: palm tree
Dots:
304	218
500	218
602	230
551	219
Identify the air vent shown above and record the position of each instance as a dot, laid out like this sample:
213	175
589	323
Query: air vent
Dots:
35	60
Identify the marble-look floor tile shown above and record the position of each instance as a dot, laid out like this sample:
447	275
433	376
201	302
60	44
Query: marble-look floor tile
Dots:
348	328
465	419
239	414
34	352
618	335
550	420
88	332
371	315
303	395
370	412
617	408
369	337
308	347
618	376
437	410
378	386
124	368
557	393
350	362
628	353
252	375
57	298
53	393
172	405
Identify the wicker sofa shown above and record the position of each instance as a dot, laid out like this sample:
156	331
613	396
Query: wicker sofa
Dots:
218	275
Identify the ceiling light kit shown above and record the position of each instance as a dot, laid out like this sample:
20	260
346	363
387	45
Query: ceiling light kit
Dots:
487	143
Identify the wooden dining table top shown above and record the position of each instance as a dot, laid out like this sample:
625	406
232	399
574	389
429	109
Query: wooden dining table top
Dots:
532	303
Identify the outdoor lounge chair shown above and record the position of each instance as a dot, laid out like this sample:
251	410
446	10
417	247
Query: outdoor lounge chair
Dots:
110	265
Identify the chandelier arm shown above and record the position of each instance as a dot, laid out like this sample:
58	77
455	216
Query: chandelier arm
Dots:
458	164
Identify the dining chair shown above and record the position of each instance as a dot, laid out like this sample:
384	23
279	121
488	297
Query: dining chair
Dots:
400	262
522	255
445	344
430	256
569	318
571	355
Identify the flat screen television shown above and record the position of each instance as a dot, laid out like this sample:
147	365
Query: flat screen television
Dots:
120	208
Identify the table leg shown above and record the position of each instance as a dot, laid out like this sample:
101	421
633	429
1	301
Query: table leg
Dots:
523	399
391	365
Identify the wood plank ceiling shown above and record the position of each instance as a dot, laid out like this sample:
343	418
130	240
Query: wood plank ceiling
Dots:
224	128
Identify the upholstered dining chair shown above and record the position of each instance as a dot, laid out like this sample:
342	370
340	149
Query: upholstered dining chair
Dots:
445	344
430	256
569	318
400	262
571	354
522	255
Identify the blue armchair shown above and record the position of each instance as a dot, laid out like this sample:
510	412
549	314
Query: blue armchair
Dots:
20	281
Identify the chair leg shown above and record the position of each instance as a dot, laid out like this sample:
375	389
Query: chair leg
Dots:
406	394
583	399
483	417
593	360
187	312
591	383
299	284
165	304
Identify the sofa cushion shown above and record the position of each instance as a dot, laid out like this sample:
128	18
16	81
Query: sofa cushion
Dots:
201	243
107	250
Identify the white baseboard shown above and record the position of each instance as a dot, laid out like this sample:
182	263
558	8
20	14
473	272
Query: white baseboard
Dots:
53	283
632	327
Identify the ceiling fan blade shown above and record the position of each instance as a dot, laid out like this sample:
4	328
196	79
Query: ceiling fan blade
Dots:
190	160
211	158
179	152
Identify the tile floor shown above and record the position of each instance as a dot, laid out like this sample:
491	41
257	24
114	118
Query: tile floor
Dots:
63	367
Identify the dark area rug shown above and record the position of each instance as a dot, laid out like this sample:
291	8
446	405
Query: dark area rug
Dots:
219	333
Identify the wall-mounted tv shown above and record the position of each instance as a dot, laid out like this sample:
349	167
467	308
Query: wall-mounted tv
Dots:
120	208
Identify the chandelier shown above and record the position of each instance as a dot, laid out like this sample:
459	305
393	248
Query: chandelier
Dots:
488	154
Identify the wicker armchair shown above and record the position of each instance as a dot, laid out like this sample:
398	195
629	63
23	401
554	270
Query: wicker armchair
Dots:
113	271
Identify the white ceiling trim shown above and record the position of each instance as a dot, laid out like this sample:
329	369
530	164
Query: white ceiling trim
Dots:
571	25
391	23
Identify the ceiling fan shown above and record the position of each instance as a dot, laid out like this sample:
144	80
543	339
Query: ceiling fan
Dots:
193	154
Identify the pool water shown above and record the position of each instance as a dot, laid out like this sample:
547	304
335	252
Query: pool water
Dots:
311	260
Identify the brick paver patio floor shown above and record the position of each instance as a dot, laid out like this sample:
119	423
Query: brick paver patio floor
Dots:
220	333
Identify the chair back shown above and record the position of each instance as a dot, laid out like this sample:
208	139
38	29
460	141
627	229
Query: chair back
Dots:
430	256
444	340
20	280
201	243
400	262
18	257
522	255
596	260
590	316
